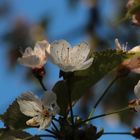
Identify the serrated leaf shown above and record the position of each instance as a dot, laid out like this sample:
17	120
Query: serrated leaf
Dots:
7	134
13	118
103	63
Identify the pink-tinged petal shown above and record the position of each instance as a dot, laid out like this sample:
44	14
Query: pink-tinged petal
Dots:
35	58
30	61
132	64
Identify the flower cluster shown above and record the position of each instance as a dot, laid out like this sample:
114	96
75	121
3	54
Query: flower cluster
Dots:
60	53
67	58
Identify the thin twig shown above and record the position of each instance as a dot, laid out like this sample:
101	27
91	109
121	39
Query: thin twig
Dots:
42	84
105	92
106	114
102	96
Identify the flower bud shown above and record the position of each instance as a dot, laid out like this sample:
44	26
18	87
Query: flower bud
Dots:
136	132
39	73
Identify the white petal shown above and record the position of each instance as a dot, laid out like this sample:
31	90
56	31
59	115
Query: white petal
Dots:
29	96
42	44
44	123
135	49
49	101
29	108
48	97
28	51
118	45
35	58
59	51
30	61
85	65
137	89
35	121
29	105
79	53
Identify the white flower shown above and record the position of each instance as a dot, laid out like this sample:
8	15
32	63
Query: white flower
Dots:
41	111
37	57
70	59
123	48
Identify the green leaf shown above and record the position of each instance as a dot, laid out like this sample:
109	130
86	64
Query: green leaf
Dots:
13	118
6	134
60	89
103	63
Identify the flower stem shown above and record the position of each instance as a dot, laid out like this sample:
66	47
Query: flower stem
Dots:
42	84
105	92
117	133
106	114
70	101
102	96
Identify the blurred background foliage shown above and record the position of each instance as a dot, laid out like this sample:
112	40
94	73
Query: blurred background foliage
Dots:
22	23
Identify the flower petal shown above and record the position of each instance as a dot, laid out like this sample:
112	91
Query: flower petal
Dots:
135	49
44	123
79	53
30	61
29	96
59	51
85	65
49	101
42	44
28	52
137	89
118	45
35	121
29	104
37	57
